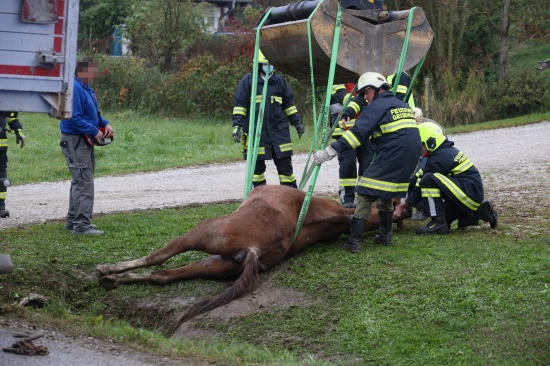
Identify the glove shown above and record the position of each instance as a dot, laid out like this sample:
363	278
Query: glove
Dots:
324	155
237	133
300	129
19	138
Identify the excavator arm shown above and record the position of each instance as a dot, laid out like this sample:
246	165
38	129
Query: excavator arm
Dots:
371	38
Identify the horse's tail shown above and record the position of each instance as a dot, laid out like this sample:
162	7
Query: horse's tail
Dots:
245	283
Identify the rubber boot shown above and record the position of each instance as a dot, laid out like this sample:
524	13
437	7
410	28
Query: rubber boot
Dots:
384	233
3	212
437	225
487	213
356	232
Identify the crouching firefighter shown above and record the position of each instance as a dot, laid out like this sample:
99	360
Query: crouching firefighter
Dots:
8	123
275	143
449	187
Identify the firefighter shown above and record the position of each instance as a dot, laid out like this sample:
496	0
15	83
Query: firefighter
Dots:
450	186
350	162
390	125
275	142
353	162
8	123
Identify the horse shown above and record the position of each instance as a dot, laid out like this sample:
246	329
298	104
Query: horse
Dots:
257	236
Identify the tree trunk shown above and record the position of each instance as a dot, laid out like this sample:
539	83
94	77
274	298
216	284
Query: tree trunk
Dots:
504	40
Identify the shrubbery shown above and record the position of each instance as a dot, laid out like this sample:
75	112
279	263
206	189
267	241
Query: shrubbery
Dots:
210	72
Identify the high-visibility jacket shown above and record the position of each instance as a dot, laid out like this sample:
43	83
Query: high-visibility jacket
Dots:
393	133
279	111
457	174
402	88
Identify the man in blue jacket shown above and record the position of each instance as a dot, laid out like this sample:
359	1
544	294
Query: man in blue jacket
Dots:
86	124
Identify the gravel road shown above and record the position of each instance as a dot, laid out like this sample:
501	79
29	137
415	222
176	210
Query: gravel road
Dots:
510	159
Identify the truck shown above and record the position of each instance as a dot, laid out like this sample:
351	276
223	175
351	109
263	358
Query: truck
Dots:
38	46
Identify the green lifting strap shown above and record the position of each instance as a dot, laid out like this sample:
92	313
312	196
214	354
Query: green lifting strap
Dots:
309	171
324	117
254	132
313	100
404	54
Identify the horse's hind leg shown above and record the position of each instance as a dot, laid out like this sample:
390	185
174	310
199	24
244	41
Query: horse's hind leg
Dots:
214	267
173	247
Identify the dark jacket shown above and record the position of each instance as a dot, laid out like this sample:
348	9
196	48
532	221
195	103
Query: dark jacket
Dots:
279	111
453	163
393	133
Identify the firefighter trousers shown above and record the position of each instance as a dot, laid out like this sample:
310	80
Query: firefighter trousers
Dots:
440	200
3	161
351	164
284	169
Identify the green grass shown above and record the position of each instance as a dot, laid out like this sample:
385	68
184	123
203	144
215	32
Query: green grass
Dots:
475	297
148	143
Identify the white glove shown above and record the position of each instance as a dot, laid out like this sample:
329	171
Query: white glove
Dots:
324	155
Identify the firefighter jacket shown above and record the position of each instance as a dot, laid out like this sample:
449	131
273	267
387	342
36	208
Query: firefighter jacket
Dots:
402	88
337	101
357	103
453	168
279	111
393	133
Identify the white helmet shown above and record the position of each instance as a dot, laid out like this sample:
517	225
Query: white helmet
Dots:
372	80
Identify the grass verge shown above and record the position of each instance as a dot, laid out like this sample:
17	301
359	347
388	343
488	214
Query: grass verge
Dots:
474	297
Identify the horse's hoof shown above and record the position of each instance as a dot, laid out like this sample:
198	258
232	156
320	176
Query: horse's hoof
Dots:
102	269
108	283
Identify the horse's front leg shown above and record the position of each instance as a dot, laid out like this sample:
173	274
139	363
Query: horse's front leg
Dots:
215	267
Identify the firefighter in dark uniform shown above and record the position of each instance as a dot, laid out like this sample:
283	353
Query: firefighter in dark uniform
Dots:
275	142
353	162
8	123
390	125
450	186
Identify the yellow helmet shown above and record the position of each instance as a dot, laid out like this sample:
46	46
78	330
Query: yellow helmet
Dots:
261	58
431	135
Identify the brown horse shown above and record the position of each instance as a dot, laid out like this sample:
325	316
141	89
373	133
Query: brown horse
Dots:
257	236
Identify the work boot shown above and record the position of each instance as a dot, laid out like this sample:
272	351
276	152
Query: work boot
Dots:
385	232
487	213
5	264
356	232
437	225
89	231
4	213
420	215
69	226
349	205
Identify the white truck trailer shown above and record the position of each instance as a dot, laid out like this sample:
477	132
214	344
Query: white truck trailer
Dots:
38	55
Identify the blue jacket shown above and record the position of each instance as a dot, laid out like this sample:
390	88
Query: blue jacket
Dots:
85	119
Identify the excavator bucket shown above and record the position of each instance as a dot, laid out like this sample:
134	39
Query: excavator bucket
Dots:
371	39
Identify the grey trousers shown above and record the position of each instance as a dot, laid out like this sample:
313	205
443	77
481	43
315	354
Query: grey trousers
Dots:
81	162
